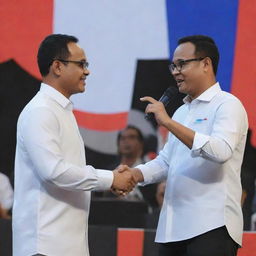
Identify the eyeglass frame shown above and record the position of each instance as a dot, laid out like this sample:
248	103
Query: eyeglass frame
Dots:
179	67
81	63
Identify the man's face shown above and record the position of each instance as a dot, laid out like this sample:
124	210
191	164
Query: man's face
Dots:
129	144
73	75
190	77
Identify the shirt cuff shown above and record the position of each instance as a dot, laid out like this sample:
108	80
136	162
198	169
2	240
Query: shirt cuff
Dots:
147	175
105	179
199	141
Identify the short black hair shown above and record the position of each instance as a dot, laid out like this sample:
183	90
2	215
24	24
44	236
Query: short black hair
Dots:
140	136
204	47
53	47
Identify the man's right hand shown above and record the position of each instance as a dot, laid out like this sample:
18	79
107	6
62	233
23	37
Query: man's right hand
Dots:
123	179
136	177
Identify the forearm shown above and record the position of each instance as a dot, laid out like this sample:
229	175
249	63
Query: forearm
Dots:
153	171
210	147
72	177
184	134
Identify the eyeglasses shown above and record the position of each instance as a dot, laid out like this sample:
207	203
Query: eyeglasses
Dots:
181	63
81	63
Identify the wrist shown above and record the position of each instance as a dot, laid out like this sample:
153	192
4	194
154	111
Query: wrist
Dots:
114	179
138	175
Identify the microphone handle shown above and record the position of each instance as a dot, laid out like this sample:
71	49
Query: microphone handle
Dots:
165	99
149	116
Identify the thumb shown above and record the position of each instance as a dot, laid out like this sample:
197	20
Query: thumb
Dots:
122	168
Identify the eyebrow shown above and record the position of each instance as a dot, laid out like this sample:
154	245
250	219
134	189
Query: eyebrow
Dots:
185	59
178	60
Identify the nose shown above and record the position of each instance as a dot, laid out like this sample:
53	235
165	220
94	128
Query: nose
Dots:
86	71
175	71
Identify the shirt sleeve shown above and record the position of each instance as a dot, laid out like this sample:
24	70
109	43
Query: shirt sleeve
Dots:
157	169
230	125
40	133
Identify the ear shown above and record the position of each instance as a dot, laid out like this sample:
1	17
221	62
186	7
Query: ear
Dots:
207	64
56	67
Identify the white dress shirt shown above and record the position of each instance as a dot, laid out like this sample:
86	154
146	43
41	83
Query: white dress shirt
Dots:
203	190
52	181
6	192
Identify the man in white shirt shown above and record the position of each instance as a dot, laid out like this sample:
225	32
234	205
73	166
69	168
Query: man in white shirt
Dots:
52	180
201	161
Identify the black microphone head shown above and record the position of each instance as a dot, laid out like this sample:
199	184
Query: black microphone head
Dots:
171	90
168	95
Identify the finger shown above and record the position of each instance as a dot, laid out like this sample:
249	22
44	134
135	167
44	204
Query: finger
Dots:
129	189
122	168
133	182
117	192
149	99
123	192
130	186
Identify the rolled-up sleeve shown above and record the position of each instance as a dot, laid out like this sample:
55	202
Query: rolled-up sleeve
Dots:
230	124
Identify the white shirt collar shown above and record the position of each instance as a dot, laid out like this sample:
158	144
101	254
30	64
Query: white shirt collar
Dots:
56	96
207	95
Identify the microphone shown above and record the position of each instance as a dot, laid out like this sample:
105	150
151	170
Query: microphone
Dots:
166	98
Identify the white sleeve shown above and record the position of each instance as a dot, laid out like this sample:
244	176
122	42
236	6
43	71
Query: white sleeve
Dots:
230	125
41	138
157	169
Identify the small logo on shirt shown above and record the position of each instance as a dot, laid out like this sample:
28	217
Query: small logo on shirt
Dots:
200	120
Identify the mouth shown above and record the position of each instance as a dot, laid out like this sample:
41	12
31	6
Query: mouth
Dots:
83	79
179	82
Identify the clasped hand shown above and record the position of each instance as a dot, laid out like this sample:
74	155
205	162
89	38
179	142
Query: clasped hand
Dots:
124	180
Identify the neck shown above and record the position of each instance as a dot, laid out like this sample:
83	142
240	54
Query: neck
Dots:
54	83
128	160
206	85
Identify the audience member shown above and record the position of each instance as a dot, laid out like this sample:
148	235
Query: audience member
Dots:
6	196
130	143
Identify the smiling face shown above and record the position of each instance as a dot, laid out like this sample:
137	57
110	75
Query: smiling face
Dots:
72	75
191	79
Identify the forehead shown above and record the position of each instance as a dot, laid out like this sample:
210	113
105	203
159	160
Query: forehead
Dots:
184	51
76	51
129	131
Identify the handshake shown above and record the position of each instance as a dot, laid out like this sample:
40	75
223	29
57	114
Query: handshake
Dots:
125	179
